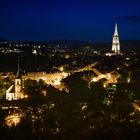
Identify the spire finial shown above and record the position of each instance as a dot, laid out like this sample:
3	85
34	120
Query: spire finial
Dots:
116	30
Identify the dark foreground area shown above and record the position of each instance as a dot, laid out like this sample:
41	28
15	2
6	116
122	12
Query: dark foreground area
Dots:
83	111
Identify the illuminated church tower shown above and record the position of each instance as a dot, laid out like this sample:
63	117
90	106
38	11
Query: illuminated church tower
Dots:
18	84
116	42
14	92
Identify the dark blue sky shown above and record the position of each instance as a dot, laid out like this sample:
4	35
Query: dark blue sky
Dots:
90	20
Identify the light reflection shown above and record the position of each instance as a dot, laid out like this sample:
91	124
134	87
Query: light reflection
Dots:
13	119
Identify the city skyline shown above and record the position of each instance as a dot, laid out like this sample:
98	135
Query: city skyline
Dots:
69	69
69	20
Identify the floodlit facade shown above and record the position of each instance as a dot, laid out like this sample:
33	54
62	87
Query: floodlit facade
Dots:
116	42
15	92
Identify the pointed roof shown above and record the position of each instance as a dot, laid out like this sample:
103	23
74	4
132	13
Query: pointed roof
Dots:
116	30
10	89
18	70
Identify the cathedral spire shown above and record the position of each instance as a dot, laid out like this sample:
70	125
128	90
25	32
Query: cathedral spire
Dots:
116	42
116	30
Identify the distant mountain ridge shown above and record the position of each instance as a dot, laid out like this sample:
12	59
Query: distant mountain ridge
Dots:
77	43
69	42
125	44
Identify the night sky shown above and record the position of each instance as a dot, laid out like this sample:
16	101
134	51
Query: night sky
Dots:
87	20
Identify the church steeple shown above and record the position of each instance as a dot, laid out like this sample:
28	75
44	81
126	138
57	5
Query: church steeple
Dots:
18	83
18	70
17	93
